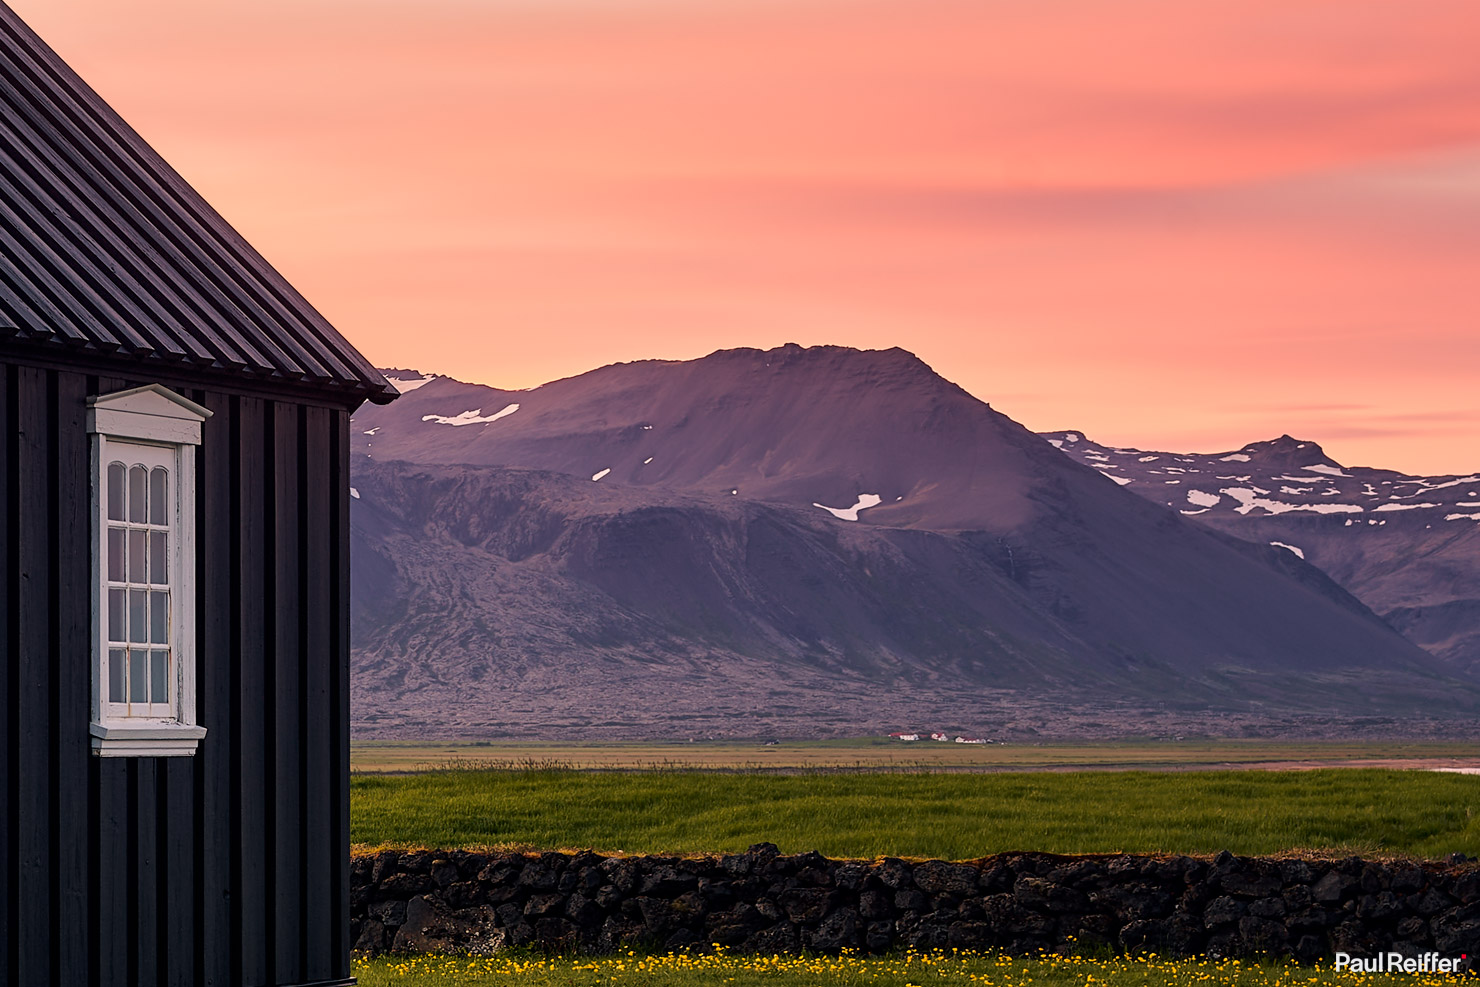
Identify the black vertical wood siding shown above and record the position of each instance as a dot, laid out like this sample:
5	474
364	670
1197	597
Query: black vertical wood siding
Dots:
338	679
229	867
32	701
9	642
214	779
73	802
254	948
319	799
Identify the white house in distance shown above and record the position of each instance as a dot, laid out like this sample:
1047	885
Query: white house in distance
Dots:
940	736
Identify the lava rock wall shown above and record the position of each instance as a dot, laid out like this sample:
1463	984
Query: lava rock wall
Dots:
766	902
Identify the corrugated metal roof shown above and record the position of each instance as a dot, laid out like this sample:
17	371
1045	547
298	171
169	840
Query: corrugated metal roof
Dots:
104	248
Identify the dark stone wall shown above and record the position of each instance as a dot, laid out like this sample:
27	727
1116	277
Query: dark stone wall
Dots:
763	901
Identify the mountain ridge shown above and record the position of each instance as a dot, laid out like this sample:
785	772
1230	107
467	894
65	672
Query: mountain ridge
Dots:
988	564
1406	545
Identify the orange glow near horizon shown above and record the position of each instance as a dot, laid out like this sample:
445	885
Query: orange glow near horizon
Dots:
1170	225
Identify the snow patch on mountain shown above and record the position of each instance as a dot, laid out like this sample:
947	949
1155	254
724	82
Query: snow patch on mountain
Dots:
474	417
865	501
1279	544
405	384
1452	483
1250	499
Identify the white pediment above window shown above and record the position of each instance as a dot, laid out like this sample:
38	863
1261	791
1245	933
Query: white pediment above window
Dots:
153	413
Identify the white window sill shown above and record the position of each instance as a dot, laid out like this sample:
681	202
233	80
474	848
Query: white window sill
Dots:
148	738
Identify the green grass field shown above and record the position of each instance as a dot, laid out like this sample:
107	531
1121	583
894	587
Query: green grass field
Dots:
907	970
879	753
951	816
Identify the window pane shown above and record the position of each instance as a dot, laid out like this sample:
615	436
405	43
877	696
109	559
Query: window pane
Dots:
137	477
137	625
159	618
159	571
157	499
138	676
115	491
157	691
115	675
115	615
136	556
115	554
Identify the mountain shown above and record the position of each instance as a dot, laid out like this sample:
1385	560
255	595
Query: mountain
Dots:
789	425
1407	546
817	541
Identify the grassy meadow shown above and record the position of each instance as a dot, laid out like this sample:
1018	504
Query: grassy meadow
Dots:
904	970
882	754
867	799
920	814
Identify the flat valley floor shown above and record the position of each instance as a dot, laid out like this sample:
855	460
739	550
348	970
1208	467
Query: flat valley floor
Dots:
880	754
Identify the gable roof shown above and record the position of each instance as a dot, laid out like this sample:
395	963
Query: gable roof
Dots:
105	249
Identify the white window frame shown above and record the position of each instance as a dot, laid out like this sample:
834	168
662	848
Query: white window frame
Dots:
158	425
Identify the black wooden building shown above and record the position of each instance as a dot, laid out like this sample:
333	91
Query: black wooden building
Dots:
174	578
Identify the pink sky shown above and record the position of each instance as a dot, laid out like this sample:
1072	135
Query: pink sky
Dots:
1169	224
